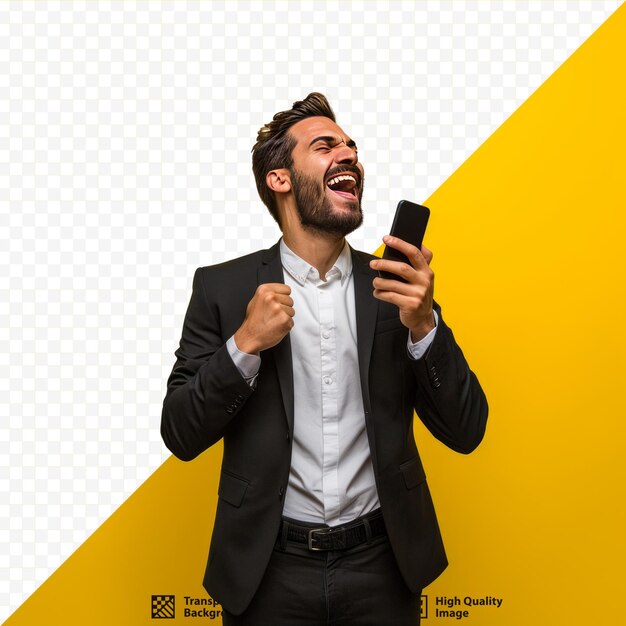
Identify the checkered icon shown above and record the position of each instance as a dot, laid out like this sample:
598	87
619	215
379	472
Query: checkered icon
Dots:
163	607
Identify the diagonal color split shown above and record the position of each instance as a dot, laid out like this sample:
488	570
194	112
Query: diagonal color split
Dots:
528	235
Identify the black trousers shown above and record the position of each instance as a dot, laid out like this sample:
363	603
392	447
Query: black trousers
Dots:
361	586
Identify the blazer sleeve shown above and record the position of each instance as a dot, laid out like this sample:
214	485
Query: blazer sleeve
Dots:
449	399
205	391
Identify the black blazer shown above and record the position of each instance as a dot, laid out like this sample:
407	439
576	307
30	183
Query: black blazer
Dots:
207	399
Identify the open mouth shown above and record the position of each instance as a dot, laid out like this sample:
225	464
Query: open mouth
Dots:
344	185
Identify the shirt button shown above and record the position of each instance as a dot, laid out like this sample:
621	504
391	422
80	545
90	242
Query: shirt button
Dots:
326	334
327	380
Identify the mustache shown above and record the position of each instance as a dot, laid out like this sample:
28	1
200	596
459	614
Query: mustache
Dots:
346	169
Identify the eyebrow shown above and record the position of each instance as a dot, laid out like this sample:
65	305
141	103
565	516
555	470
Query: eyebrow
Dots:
329	139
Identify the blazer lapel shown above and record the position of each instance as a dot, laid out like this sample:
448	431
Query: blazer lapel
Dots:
271	271
366	313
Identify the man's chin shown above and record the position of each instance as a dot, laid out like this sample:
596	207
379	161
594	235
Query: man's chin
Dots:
345	219
339	224
342	200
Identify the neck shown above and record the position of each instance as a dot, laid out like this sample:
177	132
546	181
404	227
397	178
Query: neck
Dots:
320	251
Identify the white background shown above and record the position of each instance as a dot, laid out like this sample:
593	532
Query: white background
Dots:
125	137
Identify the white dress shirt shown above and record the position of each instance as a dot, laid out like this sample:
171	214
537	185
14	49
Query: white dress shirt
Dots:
331	480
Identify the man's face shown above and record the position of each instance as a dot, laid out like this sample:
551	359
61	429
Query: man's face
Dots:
326	177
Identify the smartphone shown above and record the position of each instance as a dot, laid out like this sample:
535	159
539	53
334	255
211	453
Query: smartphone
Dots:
409	224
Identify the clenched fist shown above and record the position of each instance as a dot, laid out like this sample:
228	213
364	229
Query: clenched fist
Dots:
268	318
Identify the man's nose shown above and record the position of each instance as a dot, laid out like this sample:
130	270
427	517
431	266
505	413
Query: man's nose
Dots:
346	154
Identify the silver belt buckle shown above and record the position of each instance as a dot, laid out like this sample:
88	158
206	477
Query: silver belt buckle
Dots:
311	538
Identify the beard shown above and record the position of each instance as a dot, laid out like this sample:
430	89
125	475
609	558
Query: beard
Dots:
316	211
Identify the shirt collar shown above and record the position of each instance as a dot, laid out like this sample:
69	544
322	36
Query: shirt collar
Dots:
300	270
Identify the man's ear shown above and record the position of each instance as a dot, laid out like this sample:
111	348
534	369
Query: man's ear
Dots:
279	180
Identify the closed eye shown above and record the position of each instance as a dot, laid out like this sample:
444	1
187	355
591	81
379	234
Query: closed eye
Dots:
327	143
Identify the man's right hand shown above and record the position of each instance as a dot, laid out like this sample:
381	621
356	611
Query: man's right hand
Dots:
268	318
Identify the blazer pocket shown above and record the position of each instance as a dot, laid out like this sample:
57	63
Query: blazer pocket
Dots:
413	472
232	489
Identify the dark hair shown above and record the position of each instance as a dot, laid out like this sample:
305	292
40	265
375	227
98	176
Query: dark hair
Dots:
274	144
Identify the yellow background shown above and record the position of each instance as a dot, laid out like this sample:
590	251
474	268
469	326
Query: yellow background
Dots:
528	238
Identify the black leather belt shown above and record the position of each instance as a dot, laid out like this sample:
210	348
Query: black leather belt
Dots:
361	530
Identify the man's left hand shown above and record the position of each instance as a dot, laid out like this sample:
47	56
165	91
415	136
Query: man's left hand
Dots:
413	298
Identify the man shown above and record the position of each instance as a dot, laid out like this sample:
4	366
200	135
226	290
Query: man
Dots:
310	366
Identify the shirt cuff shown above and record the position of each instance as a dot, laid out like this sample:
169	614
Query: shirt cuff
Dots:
418	350
247	364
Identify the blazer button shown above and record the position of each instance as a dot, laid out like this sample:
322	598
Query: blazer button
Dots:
280	493
229	410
